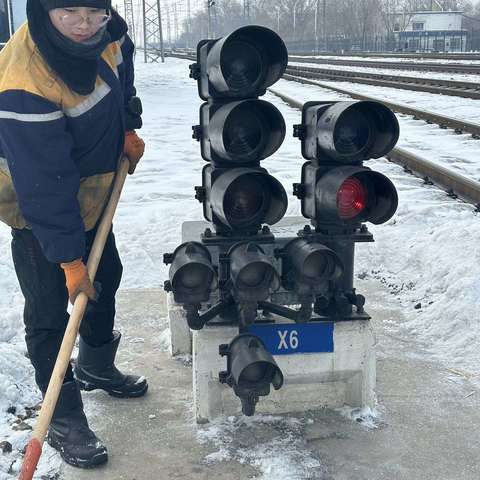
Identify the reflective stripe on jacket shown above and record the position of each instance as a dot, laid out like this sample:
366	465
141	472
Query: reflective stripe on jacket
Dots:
58	149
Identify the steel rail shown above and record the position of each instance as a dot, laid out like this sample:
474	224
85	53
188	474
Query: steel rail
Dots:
184	55
454	184
426	55
443	121
425	67
431	67
419	84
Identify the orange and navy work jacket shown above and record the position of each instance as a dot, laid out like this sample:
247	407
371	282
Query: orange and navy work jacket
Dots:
59	150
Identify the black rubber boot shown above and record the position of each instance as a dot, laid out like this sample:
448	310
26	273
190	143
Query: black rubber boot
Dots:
69	432
95	369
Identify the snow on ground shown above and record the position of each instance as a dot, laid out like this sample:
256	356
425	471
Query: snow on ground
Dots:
428	258
427	255
398	73
282	456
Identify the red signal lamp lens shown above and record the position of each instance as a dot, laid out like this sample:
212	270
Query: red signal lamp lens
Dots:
351	198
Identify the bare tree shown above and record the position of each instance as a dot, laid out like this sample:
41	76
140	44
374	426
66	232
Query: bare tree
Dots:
397	14
348	22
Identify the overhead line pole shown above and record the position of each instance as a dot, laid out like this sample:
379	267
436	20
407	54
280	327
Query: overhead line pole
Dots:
128	11
160	31
152	31
210	4
209	30
144	8
246	11
169	28
325	25
189	24
175	23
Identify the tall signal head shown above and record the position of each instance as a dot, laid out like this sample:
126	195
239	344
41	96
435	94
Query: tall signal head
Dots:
241	65
237	130
347	132
336	190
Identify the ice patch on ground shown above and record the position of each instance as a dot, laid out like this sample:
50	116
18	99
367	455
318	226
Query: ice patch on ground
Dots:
164	340
186	359
367	416
279	451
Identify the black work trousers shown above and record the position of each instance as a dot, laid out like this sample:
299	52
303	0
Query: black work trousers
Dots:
46	299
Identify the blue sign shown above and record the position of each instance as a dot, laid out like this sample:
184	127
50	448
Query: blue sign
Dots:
288	339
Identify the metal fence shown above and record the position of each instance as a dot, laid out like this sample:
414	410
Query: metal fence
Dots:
379	43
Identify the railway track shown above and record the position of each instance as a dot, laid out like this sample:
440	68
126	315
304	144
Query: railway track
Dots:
454	184
457	186
426	55
443	121
419	84
423	67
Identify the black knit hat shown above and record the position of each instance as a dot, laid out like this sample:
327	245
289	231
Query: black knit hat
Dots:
79	71
51	4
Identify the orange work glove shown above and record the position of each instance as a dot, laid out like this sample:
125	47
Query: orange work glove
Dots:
133	148
77	280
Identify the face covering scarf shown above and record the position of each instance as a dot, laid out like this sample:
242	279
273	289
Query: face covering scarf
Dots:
75	63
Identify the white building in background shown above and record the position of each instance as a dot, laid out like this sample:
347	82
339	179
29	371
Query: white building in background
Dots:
12	15
432	31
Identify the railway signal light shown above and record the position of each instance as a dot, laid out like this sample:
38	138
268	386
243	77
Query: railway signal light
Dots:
241	65
336	191
308	266
192	278
241	199
251	369
240	132
237	130
252	278
252	273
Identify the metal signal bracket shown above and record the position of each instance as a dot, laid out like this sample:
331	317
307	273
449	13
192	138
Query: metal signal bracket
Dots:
214	239
358	235
194	71
300	131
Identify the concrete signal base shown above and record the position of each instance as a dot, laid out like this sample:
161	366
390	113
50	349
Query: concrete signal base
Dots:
180	333
311	381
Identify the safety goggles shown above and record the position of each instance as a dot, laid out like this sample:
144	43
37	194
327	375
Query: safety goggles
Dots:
96	19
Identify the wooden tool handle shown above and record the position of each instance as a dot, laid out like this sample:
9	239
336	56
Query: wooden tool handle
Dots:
68	342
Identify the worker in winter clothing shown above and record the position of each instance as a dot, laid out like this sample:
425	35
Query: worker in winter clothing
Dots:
66	116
